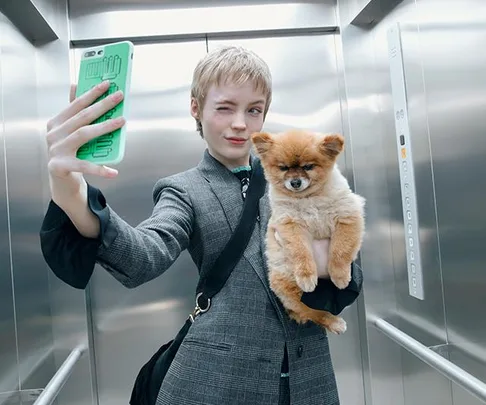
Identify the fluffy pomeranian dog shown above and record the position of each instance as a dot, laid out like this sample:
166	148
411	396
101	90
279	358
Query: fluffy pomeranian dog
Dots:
310	200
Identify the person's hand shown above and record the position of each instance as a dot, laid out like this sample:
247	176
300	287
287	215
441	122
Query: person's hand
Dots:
71	129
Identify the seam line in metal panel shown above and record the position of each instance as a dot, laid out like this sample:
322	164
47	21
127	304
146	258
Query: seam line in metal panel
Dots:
9	228
427	123
80	43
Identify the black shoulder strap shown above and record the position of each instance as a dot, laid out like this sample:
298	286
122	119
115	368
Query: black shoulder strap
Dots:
211	282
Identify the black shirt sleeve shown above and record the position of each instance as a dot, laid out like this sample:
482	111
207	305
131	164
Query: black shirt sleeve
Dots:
329	298
71	256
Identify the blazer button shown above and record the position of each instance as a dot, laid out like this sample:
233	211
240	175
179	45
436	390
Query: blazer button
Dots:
300	350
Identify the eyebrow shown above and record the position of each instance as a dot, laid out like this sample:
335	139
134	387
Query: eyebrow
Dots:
226	101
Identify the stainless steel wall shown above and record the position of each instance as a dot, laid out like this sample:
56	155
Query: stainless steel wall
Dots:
27	357
445	78
41	319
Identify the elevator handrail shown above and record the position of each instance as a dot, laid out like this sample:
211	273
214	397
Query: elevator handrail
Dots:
442	365
54	387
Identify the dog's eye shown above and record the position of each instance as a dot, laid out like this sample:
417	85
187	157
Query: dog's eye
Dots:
308	167
284	168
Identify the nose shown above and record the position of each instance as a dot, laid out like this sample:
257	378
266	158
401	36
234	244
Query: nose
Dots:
239	122
296	183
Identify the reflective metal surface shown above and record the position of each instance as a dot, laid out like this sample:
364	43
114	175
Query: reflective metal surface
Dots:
9	376
93	20
41	319
455	78
69	320
22	148
444	77
56	384
452	372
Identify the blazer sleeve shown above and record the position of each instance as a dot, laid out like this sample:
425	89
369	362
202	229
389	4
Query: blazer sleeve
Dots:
328	297
133	255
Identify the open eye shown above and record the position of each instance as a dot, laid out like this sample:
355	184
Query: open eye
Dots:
308	167
284	168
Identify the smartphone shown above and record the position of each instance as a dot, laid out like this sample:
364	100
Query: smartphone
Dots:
111	62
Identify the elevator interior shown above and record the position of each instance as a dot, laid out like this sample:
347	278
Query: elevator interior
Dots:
417	335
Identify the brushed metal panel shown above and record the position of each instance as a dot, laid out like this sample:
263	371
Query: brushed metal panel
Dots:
94	20
472	365
306	93
9	376
442	74
22	147
455	78
392	371
67	305
130	325
422	384
366	135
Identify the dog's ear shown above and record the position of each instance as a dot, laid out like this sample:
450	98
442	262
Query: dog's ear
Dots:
262	141
332	145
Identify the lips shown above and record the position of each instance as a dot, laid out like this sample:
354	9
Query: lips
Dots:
237	141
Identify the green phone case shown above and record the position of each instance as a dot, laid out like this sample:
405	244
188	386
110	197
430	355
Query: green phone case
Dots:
107	62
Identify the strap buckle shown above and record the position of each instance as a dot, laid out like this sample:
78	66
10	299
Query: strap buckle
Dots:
198	310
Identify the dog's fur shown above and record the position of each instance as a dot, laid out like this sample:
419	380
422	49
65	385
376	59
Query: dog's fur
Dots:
322	207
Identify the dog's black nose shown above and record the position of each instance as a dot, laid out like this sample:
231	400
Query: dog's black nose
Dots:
296	183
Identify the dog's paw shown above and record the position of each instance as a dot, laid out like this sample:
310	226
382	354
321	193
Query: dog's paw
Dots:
337	326
341	279
307	283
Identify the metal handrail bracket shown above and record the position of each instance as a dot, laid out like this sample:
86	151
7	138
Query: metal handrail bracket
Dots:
54	387
442	365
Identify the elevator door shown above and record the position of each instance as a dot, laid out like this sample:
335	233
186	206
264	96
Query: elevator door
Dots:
129	325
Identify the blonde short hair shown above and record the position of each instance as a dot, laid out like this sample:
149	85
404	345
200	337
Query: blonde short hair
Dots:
233	64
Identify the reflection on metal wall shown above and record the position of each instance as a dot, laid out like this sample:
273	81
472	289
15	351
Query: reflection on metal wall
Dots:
444	77
34	361
41	319
9	377
95	20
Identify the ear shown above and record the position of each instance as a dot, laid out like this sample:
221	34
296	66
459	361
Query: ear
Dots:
332	145
195	109
262	141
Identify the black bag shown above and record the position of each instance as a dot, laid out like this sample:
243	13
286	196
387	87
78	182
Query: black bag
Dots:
151	375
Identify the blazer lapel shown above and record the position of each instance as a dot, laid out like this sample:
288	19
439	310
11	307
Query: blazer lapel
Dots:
225	185
227	188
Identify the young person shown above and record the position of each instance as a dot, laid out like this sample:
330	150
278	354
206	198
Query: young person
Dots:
245	349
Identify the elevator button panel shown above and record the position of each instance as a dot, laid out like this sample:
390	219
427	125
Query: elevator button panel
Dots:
405	157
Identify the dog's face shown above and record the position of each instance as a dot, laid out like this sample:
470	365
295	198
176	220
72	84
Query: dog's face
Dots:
298	163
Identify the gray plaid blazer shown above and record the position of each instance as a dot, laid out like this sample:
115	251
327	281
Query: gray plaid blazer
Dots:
233	353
